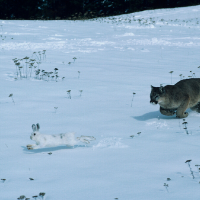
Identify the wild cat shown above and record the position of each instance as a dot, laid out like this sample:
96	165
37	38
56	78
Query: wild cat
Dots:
177	98
43	141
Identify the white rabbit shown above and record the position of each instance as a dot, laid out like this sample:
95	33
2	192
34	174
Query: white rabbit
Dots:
55	140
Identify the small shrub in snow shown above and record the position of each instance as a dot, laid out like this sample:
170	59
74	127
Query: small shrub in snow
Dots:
191	74
166	186
69	94
57	78
26	58
79	74
186	130
171	72
185	126
20	71
55	109
30	64
132	99
22	197
42	194
56	69
80	92
192	173
198	167
11	95
44	55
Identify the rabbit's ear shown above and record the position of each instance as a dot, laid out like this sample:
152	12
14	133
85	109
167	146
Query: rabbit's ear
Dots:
34	127
38	126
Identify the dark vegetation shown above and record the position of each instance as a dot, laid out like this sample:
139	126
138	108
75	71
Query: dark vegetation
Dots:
81	9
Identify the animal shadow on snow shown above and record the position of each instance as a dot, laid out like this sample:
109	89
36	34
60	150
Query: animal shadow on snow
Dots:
51	149
153	115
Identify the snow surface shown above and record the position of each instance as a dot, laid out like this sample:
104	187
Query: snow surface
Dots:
116	57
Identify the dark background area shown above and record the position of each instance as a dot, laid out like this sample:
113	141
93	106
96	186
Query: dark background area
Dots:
81	9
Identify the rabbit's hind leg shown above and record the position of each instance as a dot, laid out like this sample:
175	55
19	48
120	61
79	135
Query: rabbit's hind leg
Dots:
83	140
89	138
31	146
86	139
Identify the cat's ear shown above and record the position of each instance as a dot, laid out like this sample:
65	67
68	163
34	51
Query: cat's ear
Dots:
162	89
151	87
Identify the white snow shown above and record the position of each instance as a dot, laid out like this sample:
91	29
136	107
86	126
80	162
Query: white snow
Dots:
116	56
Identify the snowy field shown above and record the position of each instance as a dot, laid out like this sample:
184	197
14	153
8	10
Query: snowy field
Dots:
108	65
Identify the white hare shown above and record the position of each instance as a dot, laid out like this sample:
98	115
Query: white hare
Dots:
42	140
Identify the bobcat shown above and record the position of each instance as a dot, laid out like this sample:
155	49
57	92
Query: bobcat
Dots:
177	98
